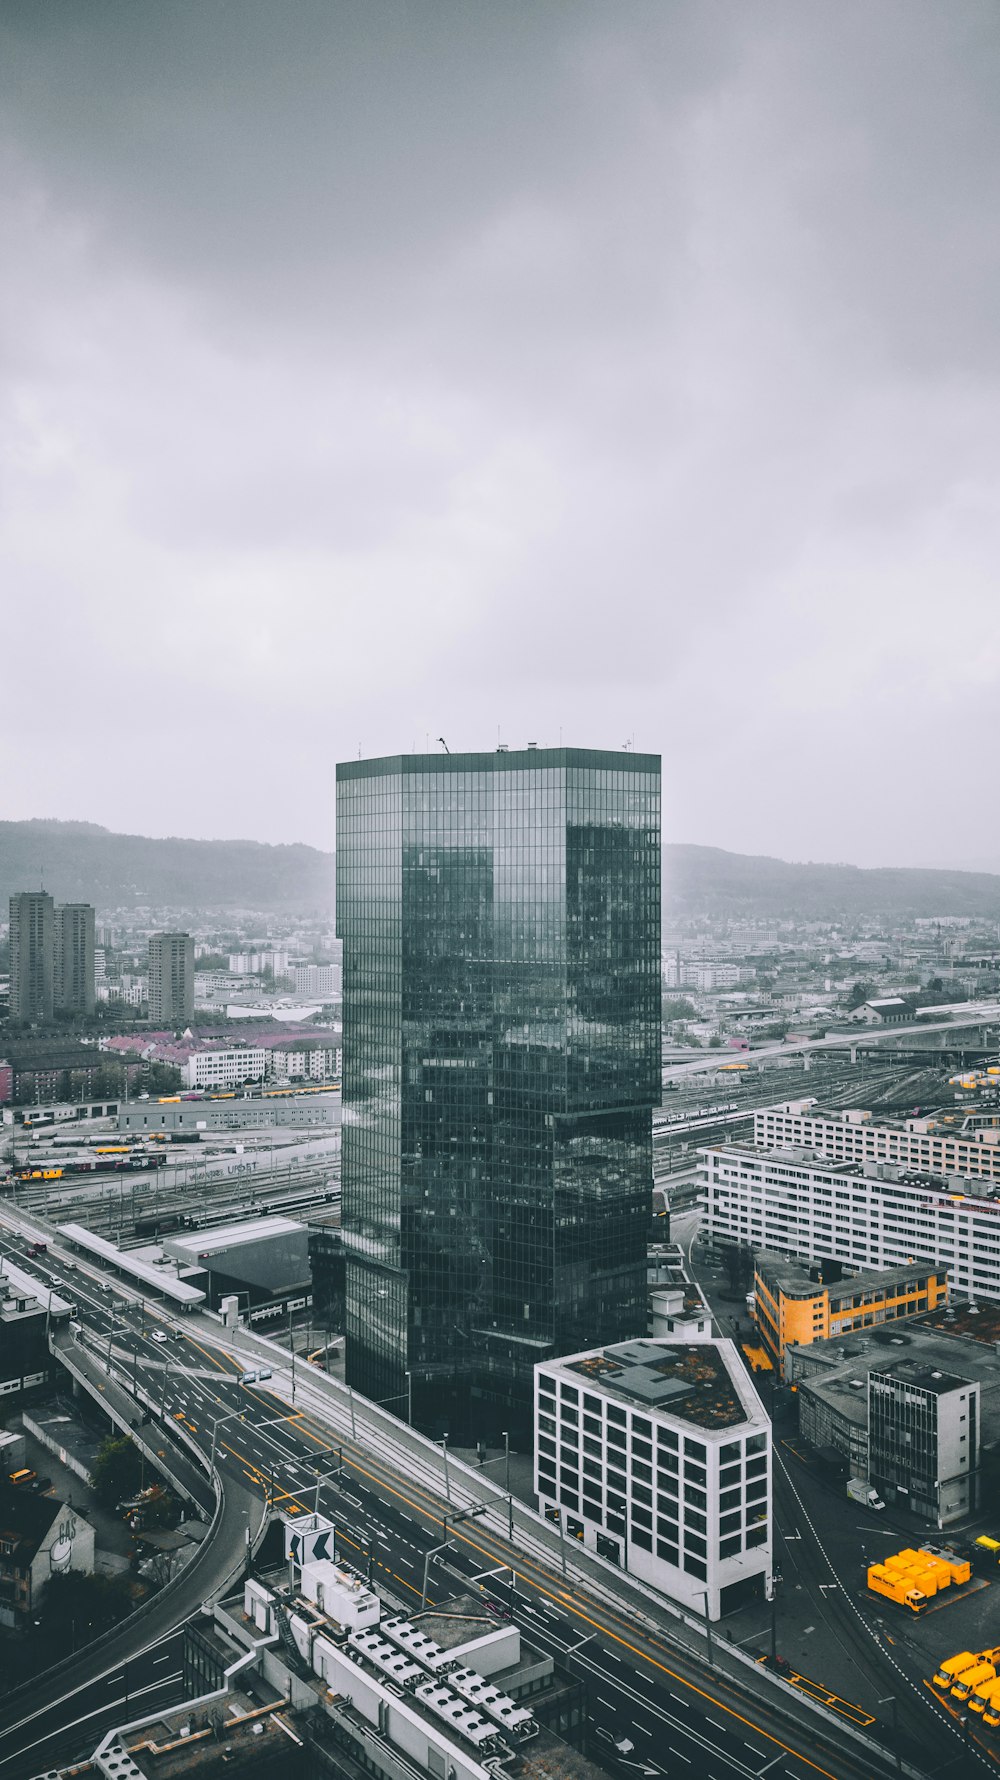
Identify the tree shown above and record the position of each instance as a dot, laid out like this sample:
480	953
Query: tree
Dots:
678	1007
161	1078
212	961
118	1470
715	1042
860	993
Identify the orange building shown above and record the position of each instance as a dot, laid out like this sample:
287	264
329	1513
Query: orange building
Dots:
797	1302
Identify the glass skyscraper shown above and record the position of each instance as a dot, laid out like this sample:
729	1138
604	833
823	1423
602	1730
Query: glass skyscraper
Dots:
500	915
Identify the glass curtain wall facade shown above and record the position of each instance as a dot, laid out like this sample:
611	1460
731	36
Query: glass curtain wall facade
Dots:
500	915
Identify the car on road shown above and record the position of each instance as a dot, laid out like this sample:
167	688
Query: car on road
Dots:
621	1745
158	1335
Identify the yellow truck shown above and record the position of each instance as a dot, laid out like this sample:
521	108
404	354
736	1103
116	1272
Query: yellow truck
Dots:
980	1696
896	1587
954	1666
991	1711
959	1568
972	1678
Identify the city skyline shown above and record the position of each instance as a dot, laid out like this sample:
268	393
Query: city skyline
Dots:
351	350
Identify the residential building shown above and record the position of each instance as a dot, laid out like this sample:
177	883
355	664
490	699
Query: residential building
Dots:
74	965
795	1302
923	1440
39	1538
297	1060
867	1214
6	1081
62	1070
32	944
657	1455
938	1143
171	978
500	915
257	962
226	1068
316	979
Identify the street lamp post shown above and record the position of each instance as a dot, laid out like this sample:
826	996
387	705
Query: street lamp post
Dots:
447	1476
891	1700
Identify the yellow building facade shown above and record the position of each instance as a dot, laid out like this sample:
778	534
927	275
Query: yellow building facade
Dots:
794	1305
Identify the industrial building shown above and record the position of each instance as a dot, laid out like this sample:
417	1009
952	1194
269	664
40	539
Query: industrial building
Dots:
29	1310
911	1408
326	1676
263	1262
657	1455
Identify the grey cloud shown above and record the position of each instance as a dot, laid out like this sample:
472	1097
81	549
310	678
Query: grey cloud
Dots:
379	370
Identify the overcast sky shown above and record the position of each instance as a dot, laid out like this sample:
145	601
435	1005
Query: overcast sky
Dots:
374	372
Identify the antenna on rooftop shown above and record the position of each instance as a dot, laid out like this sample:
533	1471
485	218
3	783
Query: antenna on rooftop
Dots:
444	744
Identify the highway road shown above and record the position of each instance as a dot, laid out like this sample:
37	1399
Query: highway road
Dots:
986	1013
681	1715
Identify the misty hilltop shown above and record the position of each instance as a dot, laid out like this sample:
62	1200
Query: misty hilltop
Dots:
80	861
710	881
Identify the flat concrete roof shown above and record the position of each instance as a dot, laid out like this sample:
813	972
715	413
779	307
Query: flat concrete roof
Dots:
207	1242
913	1350
691	1382
793	1277
140	1271
28	1285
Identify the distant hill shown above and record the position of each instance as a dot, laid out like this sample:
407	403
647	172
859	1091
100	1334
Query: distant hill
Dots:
84	863
709	881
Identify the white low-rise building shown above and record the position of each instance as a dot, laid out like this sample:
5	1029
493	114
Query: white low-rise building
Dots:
657	1456
226	1069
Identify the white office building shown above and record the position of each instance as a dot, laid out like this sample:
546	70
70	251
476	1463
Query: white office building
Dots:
226	1069
871	1214
657	1456
941	1144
